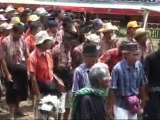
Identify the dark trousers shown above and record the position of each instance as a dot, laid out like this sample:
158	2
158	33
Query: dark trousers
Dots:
18	89
152	109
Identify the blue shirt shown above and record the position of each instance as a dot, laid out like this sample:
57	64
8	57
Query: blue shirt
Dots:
126	81
80	77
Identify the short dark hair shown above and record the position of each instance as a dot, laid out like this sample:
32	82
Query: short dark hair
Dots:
52	23
57	12
35	25
18	27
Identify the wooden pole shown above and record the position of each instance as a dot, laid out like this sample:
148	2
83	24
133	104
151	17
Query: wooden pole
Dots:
145	26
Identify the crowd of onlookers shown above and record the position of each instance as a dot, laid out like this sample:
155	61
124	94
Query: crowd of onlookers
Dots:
94	74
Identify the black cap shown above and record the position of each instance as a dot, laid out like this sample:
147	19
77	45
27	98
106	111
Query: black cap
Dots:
129	47
52	23
90	50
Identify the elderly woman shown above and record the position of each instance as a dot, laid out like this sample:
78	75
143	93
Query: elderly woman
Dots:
89	102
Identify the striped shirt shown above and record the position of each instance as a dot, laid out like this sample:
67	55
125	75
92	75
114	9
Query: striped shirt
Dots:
80	77
125	80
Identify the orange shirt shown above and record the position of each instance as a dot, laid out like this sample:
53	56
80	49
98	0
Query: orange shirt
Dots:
42	65
30	40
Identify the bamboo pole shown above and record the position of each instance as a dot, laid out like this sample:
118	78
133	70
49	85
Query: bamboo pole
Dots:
145	26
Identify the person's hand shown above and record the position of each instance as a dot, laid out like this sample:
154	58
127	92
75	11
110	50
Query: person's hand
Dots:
144	101
28	74
9	78
110	114
60	83
37	98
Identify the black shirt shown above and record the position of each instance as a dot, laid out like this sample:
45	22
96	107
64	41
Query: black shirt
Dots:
91	107
152	69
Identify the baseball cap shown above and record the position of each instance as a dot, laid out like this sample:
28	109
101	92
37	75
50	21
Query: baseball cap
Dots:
132	24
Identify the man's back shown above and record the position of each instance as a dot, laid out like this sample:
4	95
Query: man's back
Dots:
152	67
91	107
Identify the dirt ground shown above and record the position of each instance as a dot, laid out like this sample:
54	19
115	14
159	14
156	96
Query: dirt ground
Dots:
25	106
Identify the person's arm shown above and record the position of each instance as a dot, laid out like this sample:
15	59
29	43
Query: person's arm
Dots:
105	58
3	52
7	73
148	47
31	64
76	78
111	94
26	54
35	86
144	82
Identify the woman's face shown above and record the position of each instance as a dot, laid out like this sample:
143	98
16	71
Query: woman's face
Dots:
105	83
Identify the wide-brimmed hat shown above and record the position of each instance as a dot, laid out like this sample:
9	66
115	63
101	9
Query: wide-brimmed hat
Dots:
9	8
2	17
20	9
90	50
97	22
41	37
139	32
33	18
107	27
129	47
132	24
6	26
41	11
2	11
95	39
115	28
15	20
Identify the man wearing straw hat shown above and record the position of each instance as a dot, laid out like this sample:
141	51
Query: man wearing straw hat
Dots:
107	42
144	43
40	65
128	78
9	11
2	18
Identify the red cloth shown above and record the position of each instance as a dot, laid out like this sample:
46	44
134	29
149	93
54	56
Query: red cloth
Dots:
113	56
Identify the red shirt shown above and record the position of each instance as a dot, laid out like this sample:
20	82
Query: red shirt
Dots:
42	65
111	57
30	40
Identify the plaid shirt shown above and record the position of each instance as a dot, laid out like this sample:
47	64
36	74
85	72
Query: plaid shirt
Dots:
61	56
106	45
14	52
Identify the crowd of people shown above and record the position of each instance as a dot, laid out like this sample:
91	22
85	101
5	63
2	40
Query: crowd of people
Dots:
95	74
